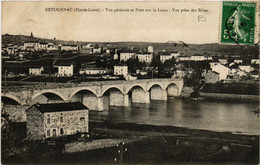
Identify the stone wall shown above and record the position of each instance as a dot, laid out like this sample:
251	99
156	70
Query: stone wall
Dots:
116	98
140	96
90	101
157	93
35	128
172	90
16	112
95	144
71	123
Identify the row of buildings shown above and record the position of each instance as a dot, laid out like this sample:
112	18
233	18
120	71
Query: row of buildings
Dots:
219	72
34	46
68	70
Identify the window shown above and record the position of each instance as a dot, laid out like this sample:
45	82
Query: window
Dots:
48	133
48	119
61	117
61	131
82	121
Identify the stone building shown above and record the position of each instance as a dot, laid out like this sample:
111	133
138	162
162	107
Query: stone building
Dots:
56	119
65	70
36	70
211	77
144	57
120	70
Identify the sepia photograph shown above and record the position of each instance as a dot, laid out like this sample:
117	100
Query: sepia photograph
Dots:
130	82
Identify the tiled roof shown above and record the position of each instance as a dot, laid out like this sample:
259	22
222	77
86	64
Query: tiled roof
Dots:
59	107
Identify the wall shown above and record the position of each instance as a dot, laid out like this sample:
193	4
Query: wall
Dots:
157	93
140	96
35	128
172	90
71	122
116	98
95	144
90	101
16	112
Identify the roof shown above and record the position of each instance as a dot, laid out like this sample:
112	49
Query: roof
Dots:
35	67
70	45
60	107
164	53
213	72
63	63
94	68
144	53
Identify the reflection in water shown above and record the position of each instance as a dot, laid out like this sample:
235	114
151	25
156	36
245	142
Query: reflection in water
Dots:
209	115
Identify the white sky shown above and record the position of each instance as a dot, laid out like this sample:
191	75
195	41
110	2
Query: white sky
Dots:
26	17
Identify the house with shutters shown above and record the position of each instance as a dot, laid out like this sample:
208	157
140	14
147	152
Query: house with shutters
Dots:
56	120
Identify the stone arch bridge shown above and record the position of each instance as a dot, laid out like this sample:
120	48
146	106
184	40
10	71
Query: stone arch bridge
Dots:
94	94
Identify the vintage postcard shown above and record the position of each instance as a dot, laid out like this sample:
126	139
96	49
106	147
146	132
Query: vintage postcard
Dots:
130	82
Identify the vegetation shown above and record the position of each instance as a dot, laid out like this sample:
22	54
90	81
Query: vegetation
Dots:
232	88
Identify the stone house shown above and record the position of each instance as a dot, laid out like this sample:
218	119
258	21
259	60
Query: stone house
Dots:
144	57
65	70
36	70
211	77
222	70
120	70
56	119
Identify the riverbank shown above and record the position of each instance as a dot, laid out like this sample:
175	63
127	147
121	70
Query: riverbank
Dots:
187	91
229	97
169	145
147	144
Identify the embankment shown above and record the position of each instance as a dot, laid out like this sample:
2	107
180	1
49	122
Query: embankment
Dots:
230	97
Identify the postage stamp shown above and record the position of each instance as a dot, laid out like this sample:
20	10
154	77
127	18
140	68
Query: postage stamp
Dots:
238	22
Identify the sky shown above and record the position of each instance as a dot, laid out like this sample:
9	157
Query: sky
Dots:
22	18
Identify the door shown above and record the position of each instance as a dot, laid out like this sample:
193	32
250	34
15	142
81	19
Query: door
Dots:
54	133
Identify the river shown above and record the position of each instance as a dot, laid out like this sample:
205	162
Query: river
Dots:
219	116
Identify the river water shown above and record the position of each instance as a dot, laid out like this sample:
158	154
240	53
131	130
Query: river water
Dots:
219	116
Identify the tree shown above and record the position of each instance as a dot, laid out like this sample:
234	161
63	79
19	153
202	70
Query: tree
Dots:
156	62
78	65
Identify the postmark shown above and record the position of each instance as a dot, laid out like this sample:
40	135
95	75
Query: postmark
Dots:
238	22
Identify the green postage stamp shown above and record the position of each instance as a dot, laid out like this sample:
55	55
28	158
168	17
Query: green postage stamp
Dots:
238	22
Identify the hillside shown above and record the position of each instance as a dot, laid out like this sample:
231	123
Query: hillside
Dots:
18	39
185	49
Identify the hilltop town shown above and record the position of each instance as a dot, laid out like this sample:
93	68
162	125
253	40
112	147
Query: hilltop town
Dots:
28	58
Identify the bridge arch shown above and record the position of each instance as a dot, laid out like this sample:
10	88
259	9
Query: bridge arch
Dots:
157	92
153	85
112	96
12	98
48	92
135	86
138	94
87	96
82	90
172	89
111	87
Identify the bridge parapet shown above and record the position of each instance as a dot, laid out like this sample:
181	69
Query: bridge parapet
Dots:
25	94
48	85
